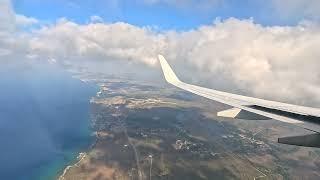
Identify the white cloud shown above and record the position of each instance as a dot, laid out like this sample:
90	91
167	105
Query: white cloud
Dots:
120	41
96	19
271	62
7	16
4	52
22	20
277	62
9	21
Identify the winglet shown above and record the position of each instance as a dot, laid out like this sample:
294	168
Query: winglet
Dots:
168	73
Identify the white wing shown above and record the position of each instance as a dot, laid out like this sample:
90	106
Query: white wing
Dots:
254	108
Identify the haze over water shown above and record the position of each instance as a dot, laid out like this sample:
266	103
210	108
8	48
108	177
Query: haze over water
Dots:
44	121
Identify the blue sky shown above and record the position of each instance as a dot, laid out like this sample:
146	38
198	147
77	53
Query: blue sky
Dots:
184	14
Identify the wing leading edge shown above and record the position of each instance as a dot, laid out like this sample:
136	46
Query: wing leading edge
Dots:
253	108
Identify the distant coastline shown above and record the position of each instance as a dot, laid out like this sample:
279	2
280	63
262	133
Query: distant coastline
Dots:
80	157
52	124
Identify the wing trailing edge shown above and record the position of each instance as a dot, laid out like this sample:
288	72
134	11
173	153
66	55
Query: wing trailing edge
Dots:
310	140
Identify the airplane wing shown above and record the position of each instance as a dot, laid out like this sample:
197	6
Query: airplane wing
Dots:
257	109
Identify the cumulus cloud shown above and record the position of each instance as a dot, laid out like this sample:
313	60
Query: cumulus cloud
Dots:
271	62
96	42
7	16
9	21
276	62
96	18
24	21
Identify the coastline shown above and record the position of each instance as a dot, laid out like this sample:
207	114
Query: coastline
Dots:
83	153
80	157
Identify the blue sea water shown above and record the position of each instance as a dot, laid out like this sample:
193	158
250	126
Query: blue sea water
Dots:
44	120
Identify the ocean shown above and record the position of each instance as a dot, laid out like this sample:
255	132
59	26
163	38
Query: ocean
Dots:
44	120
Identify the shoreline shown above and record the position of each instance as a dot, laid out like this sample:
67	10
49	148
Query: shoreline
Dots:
81	156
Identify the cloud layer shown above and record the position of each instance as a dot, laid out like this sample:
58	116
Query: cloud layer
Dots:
7	16
280	63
